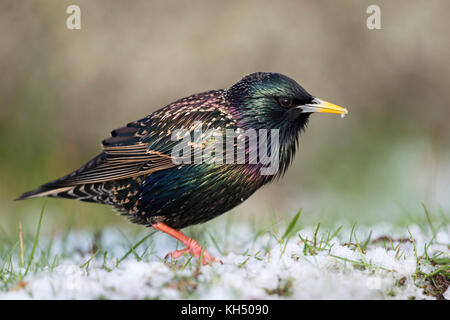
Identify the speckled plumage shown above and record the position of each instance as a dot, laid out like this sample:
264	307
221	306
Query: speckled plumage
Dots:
135	172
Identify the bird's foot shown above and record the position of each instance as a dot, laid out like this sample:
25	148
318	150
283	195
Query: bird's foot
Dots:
192	246
176	254
196	250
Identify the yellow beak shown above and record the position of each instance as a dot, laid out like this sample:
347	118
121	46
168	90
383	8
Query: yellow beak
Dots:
318	105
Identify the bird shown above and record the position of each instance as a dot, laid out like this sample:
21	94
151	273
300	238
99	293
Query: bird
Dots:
139	175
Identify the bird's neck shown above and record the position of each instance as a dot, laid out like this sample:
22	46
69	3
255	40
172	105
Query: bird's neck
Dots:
288	141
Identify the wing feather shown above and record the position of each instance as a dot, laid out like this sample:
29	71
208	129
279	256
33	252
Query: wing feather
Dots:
143	146
120	165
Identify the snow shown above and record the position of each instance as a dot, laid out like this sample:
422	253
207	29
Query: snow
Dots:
252	269
447	294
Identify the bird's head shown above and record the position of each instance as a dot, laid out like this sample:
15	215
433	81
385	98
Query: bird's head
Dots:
272	100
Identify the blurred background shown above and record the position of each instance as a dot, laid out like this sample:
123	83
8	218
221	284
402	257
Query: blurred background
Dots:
62	91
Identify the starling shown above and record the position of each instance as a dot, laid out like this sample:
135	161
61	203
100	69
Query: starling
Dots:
138	174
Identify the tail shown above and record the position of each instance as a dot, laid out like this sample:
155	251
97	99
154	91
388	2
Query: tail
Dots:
98	181
62	187
47	190
120	193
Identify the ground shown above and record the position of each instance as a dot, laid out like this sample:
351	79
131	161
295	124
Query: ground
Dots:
289	262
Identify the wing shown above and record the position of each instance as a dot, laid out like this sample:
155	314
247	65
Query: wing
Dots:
144	146
124	155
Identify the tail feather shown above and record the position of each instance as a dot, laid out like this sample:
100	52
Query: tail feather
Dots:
120	193
83	192
61	187
45	191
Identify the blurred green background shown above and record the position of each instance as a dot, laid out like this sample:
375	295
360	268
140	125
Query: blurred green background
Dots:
62	91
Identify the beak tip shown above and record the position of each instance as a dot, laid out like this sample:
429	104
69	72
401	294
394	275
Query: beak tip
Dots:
332	108
323	106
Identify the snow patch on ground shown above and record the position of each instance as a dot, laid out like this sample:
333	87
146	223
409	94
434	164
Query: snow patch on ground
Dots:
254	267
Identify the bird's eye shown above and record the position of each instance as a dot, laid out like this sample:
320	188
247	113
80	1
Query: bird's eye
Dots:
285	102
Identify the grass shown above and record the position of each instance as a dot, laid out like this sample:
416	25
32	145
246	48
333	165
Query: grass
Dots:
35	242
333	252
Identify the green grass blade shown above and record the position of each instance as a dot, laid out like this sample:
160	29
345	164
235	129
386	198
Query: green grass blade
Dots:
221	252
134	248
86	264
292	225
36	239
427	214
